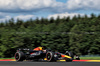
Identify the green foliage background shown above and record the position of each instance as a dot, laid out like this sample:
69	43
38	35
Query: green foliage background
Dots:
81	35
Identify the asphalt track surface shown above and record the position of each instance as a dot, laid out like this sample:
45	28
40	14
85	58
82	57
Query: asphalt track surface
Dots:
27	63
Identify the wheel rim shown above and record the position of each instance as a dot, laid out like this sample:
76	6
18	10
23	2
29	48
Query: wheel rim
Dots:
48	56
17	56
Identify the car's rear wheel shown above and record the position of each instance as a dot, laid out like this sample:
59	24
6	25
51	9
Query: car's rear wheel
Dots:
19	56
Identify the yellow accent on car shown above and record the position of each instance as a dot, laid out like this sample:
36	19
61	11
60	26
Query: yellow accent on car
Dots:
45	58
67	56
41	48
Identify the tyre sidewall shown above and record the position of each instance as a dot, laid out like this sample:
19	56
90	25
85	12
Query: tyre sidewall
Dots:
21	56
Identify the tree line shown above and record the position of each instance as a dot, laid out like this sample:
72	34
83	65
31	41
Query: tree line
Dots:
81	35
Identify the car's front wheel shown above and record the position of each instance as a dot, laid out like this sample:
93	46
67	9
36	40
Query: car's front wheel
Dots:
71	55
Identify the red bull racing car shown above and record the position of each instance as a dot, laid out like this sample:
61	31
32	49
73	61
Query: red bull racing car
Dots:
40	55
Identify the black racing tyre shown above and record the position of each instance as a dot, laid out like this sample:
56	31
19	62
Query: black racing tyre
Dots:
69	54
50	57
19	56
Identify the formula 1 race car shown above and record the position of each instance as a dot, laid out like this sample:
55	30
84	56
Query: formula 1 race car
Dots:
50	56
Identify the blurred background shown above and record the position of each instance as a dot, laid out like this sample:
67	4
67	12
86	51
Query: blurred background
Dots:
59	25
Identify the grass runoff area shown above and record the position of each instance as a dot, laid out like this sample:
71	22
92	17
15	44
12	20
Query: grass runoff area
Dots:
90	58
82	58
7	58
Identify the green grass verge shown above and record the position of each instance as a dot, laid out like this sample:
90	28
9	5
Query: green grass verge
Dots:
6	58
90	58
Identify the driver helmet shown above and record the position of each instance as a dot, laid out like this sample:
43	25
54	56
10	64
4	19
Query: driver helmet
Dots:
39	49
